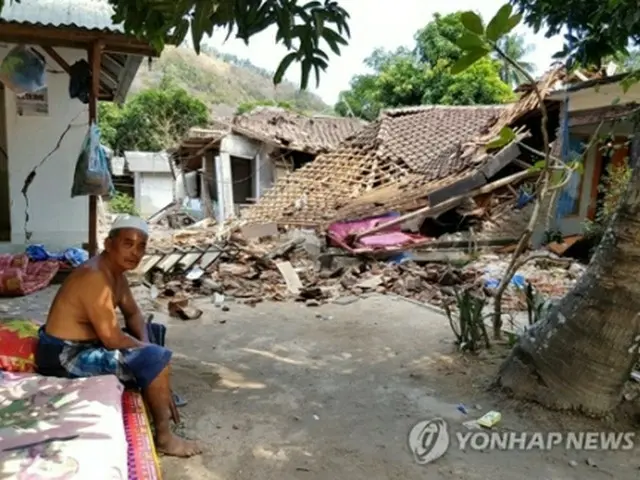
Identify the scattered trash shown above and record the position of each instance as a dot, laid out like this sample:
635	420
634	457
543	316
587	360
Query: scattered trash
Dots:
195	273
462	409
218	299
490	419
472	425
153	292
517	280
635	375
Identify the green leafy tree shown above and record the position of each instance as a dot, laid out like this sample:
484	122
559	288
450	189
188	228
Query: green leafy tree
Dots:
516	48
361	100
437	40
596	30
152	120
302	29
478	85
423	76
580	354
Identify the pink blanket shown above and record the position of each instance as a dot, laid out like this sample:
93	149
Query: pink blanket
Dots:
390	240
61	429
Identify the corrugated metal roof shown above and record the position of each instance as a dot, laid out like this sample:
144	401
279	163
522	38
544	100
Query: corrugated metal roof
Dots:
84	14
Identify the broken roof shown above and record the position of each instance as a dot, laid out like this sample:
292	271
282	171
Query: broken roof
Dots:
398	163
294	131
422	137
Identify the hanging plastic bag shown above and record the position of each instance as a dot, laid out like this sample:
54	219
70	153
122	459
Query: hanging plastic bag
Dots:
23	70
92	175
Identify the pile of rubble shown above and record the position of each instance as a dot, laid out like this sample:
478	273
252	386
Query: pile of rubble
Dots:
296	266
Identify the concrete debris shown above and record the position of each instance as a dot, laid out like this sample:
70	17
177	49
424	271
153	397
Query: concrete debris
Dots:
180	308
294	266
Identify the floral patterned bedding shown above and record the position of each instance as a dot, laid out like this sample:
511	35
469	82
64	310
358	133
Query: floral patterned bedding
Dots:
61	429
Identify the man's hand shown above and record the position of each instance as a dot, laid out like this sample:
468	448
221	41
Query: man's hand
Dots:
133	316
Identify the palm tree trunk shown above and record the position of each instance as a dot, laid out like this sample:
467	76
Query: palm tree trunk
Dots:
580	356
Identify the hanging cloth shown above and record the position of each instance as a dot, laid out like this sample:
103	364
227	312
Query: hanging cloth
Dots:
80	81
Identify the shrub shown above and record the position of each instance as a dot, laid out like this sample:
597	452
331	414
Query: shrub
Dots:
613	186
123	203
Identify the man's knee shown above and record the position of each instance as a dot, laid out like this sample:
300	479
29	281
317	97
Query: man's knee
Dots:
149	363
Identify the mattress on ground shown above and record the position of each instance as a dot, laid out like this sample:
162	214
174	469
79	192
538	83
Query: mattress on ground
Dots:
142	458
57	428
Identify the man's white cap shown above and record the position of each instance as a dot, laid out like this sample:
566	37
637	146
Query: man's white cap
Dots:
130	221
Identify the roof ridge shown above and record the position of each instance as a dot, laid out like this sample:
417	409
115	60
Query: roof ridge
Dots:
424	108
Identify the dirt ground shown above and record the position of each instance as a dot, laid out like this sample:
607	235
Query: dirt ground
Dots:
284	391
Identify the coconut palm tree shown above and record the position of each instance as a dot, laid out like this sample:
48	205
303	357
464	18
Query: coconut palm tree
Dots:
516	49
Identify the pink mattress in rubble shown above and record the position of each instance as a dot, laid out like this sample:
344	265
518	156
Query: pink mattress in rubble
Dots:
55	428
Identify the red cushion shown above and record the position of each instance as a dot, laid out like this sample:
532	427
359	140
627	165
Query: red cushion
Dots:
18	342
11	281
15	282
39	275
9	260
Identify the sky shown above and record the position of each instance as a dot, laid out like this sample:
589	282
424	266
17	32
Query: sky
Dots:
374	23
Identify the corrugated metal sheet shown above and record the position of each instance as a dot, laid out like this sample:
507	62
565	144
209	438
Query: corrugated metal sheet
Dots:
147	161
84	14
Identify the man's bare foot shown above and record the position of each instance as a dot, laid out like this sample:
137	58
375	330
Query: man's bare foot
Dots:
177	447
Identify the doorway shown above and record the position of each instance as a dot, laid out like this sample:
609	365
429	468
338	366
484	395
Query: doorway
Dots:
5	204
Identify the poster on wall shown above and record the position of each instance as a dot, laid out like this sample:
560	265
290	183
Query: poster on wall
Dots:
34	104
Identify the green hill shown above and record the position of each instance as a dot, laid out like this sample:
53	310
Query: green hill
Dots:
223	81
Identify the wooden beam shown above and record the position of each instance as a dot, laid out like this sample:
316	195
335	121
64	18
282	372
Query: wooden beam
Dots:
106	93
434	210
74	38
95	54
55	56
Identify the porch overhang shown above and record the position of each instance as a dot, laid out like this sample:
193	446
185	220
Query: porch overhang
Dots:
121	54
69	37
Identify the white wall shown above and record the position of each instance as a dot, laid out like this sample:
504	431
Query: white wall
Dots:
603	96
239	146
153	191
56	219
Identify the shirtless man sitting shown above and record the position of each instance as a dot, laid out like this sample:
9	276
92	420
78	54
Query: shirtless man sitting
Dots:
82	336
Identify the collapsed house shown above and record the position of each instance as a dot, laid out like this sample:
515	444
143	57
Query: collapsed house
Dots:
433	159
238	160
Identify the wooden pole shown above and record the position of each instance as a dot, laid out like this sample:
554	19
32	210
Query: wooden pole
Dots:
95	56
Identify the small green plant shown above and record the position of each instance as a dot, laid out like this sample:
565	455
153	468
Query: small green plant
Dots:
553	235
123	203
470	330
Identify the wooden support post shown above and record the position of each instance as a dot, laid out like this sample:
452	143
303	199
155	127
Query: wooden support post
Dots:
205	195
95	56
